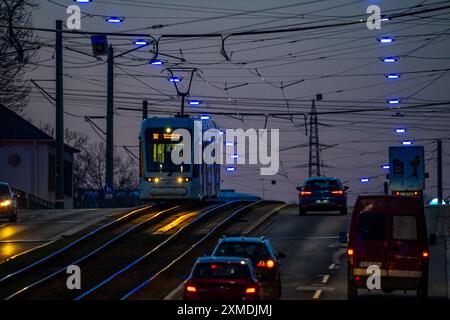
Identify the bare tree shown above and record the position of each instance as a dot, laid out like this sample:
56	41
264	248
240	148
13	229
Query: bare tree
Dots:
90	163
17	47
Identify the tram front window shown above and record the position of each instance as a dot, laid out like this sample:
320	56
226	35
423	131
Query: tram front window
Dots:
159	153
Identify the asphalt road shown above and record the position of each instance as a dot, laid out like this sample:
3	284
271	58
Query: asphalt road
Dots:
315	266
35	228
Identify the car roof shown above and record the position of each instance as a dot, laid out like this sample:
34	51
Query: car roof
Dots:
242	239
321	178
223	259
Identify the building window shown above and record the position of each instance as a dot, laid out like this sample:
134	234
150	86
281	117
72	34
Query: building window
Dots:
51	172
67	178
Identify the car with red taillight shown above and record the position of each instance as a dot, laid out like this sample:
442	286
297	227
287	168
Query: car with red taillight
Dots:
222	278
265	260
389	232
322	194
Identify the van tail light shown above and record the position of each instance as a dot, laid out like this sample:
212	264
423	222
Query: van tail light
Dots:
305	194
268	264
350	252
425	254
337	192
191	289
251	290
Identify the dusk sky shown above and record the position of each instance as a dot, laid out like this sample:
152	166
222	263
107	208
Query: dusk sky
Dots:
341	63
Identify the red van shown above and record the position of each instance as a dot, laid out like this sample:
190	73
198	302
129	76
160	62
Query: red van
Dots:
390	232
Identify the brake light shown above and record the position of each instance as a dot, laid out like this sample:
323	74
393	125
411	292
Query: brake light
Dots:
396	193
350	252
357	278
305	193
250	290
268	264
191	289
416	193
337	192
425	254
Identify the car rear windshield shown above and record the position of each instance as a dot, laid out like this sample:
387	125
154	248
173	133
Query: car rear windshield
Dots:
221	271
254	251
404	227
4	189
371	226
322	185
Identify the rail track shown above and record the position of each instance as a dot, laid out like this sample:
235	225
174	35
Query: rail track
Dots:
130	279
127	258
22	281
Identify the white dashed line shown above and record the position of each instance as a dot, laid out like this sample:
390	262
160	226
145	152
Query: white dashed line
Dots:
317	294
325	278
331	267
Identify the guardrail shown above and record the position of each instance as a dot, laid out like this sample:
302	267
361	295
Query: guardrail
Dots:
29	201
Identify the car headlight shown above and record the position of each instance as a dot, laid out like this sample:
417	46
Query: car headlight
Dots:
5	203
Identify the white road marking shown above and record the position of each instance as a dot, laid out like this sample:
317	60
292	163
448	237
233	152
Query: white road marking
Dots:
172	293
325	278
317	294
331	267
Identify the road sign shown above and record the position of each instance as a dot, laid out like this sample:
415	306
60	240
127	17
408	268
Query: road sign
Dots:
407	168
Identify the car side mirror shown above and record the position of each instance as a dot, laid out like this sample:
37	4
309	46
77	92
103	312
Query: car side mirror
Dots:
346	187
432	239
343	238
281	255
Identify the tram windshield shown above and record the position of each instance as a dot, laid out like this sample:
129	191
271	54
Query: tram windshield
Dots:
159	151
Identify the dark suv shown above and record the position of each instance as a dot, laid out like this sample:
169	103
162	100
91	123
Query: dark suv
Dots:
263	256
8	202
322	194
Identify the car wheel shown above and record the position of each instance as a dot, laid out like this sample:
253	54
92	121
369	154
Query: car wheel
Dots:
343	211
352	291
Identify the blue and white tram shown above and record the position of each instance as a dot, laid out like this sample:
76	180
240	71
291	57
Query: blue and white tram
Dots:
160	177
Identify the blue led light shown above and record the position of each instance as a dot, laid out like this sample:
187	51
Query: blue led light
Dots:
393	76
231	169
141	42
400	130
407	142
364	180
386	40
393	101
385	166
205	117
389	59
195	102
175	79
114	19
156	62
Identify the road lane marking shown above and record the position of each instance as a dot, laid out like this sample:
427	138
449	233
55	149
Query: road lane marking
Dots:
174	292
176	222
317	294
325	278
331	267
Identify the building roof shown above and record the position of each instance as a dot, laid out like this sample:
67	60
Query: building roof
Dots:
14	127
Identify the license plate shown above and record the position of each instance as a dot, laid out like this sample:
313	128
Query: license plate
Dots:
367	264
322	201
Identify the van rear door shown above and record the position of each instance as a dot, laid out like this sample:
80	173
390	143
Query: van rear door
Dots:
370	226
407	238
